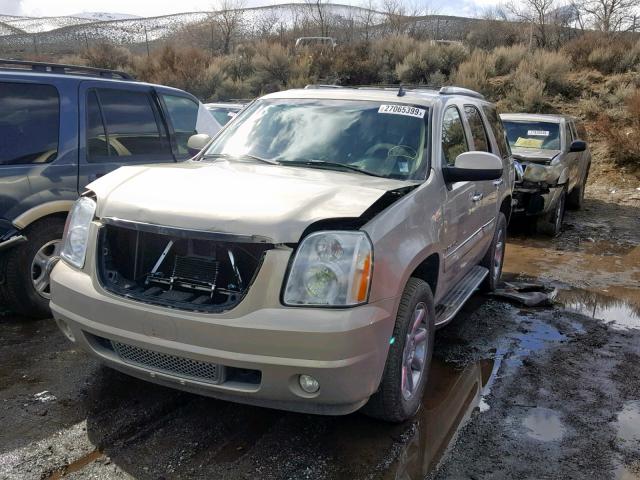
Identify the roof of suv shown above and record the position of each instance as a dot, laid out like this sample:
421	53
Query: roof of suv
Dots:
536	117
424	96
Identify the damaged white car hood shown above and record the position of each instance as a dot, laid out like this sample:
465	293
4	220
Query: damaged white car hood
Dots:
534	154
271	201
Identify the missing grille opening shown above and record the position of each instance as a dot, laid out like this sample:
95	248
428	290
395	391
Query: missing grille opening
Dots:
177	271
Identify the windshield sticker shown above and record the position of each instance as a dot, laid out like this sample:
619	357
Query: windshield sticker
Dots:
529	142
403	110
403	166
538	133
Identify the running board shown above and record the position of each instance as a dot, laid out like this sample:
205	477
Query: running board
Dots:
456	298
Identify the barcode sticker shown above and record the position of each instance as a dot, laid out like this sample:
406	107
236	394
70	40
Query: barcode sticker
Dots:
538	133
403	110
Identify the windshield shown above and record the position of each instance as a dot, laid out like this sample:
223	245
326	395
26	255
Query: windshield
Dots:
538	135
386	140
223	114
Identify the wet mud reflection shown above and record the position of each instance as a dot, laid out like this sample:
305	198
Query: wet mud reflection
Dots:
452	396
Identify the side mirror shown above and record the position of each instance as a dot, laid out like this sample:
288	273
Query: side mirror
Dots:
197	142
578	146
470	166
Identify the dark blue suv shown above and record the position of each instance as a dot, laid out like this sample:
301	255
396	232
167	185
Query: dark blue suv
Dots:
62	127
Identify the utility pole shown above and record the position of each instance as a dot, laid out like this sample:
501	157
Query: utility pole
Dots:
35	43
146	39
86	41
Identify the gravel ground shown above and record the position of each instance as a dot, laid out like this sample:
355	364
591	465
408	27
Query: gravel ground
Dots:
513	392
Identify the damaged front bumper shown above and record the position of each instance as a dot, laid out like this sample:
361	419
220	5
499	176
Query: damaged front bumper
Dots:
254	351
538	189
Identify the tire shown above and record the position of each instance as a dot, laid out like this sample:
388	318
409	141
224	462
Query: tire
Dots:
391	403
494	258
551	223
575	200
19	290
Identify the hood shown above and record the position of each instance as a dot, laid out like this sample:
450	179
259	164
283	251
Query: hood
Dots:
271	201
534	155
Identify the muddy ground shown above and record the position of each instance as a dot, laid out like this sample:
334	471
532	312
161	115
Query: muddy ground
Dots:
514	392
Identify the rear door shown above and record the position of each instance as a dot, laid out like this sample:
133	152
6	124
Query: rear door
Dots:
120	125
38	162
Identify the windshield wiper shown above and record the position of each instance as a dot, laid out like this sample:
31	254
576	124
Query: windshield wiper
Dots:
330	165
244	155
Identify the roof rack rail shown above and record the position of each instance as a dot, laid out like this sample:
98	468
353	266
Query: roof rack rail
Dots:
44	67
312	85
448	90
461	91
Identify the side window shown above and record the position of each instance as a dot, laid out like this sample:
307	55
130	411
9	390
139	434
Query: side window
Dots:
183	114
454	141
131	127
29	123
498	130
478	131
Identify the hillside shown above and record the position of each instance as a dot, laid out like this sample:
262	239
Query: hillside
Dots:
26	35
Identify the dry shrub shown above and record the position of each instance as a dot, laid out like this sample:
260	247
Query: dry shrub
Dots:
181	68
475	72
272	67
622	135
606	54
389	52
507	59
527	92
353	65
107	55
551	68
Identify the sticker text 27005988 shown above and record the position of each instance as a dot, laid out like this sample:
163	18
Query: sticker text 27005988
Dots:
403	110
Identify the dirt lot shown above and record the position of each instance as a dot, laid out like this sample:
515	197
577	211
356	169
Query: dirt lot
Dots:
514	392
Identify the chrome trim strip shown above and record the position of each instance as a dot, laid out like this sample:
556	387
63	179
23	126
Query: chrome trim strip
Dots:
184	233
18	239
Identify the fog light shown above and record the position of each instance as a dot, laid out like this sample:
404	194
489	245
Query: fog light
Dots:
309	384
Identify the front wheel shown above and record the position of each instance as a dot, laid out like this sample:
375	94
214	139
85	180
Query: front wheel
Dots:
27	268
551	223
409	358
494	258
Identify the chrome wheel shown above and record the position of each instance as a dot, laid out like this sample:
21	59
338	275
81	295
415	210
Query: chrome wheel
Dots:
414	356
42	264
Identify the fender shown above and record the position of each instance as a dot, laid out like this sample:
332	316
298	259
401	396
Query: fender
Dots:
25	219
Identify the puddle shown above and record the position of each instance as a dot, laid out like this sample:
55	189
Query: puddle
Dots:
543	424
620	312
598	279
452	396
629	422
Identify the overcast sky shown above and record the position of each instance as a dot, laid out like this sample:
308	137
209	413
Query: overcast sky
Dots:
150	8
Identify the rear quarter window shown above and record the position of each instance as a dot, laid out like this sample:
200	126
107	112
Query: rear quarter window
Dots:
29	123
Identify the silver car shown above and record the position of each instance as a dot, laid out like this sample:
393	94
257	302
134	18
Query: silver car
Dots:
304	259
554	159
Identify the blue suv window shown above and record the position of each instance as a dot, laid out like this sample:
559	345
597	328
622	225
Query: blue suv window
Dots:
122	123
29	124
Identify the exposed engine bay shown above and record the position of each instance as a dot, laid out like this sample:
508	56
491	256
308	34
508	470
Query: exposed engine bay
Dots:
197	274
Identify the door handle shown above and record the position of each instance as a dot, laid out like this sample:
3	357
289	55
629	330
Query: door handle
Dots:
476	197
498	182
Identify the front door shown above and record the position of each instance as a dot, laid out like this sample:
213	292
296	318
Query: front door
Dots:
119	125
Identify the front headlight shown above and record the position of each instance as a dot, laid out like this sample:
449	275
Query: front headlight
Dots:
541	173
76	231
331	269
